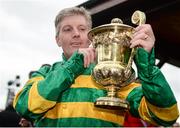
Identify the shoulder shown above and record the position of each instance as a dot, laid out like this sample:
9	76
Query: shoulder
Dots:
42	71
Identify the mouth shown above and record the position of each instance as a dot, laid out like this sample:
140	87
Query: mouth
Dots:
76	44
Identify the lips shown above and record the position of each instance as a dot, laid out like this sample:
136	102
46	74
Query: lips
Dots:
75	44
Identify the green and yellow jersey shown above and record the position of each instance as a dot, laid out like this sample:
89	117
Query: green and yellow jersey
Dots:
63	95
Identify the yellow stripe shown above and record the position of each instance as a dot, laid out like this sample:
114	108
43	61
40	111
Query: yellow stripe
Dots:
27	83
85	81
166	114
144	112
85	109
124	91
36	103
34	79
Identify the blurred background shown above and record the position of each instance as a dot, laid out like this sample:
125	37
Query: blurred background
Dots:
27	36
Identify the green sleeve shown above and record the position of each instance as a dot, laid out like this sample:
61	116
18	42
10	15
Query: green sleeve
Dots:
154	84
154	99
45	86
60	77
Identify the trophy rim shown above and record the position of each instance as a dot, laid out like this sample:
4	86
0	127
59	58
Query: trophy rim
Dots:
106	27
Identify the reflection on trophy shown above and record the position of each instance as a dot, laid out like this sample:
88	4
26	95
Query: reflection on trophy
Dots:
114	59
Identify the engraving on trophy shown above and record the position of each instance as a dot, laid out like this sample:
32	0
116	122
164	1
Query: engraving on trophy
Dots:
114	59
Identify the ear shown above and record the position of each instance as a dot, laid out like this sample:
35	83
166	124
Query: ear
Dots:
58	41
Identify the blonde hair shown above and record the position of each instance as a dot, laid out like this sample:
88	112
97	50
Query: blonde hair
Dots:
71	12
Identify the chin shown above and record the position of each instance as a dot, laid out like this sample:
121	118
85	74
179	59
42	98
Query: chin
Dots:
75	49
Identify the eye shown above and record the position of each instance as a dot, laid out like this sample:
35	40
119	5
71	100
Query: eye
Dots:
66	29
82	28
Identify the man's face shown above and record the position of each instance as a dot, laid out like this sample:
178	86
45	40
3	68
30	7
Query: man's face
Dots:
73	34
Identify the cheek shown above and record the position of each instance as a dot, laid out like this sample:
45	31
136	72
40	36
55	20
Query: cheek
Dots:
86	40
65	46
64	41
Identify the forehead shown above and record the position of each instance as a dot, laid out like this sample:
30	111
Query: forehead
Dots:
74	20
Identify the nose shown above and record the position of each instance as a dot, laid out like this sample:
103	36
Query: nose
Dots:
76	33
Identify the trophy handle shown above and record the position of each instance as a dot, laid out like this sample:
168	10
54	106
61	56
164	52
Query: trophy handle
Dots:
128	68
138	18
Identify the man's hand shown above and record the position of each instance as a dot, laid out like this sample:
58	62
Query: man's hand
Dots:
89	55
143	37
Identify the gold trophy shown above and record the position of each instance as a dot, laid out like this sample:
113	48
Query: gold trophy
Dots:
114	59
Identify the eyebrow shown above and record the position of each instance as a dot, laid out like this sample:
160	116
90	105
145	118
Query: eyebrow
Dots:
71	26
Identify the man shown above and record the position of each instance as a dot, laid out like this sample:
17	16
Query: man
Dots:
63	94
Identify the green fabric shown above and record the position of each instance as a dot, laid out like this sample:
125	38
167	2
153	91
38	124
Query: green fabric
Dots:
22	105
82	95
161	122
155	87
42	71
61	75
134	99
75	122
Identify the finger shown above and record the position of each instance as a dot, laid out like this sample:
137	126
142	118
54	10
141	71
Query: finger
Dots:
138	36
137	43
92	55
143	26
146	28
86	59
89	55
91	46
84	52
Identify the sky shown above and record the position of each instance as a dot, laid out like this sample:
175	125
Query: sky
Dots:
27	40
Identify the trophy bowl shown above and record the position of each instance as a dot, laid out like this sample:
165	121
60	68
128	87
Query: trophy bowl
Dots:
114	59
